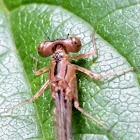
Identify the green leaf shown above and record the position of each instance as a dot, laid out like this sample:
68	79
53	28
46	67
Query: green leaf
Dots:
113	100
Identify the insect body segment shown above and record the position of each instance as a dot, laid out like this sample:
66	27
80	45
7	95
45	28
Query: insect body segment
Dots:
62	74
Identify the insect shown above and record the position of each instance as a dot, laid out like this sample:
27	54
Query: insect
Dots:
62	81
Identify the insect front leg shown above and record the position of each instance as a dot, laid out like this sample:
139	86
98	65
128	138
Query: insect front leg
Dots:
88	54
31	99
40	71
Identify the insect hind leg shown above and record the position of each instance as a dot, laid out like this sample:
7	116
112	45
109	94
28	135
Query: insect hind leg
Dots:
76	105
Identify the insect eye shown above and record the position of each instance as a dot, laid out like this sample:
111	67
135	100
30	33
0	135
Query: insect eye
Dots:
76	43
72	44
45	48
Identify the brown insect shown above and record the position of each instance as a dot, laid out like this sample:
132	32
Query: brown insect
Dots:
62	81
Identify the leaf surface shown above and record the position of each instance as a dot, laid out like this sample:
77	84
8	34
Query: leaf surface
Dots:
113	100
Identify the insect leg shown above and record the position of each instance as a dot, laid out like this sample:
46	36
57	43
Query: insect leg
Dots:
99	76
88	54
31	99
76	105
40	71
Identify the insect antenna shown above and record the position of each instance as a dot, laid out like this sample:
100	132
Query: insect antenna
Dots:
68	35
46	35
